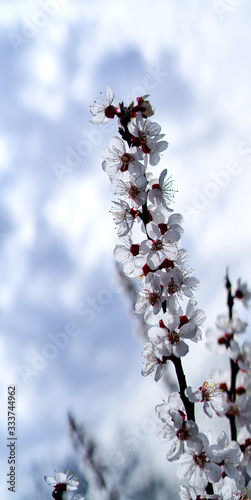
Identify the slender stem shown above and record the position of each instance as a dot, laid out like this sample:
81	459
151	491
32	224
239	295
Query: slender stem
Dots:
183	385
234	371
232	397
125	117
145	214
233	364
209	489
230	298
233	429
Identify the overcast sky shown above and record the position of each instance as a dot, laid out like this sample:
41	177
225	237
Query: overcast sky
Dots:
56	233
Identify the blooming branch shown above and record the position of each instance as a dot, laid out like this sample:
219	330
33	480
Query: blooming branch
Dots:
166	299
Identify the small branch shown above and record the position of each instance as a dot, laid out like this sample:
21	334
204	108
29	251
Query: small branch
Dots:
233	364
183	385
209	489
230	298
232	396
145	214
233	429
234	371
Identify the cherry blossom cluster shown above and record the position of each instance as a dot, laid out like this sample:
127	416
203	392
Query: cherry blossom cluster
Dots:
155	256
149	249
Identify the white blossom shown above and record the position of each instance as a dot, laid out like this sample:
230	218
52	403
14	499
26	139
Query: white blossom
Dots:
246	461
123	217
241	355
106	110
230	491
144	106
230	326
128	254
175	429
241	410
117	160
159	246
210	394
147	136
216	341
242	293
199	464
134	189
231	456
161	190
155	361
150	296
170	333
176	282
190	493
62	482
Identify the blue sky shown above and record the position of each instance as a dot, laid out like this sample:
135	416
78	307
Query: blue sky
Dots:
57	236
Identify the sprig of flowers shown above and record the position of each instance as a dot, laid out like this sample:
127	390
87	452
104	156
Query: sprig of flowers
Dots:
157	259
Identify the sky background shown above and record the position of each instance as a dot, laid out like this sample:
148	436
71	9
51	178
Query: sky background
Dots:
56	233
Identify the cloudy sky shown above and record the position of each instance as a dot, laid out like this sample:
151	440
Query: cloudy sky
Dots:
66	338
